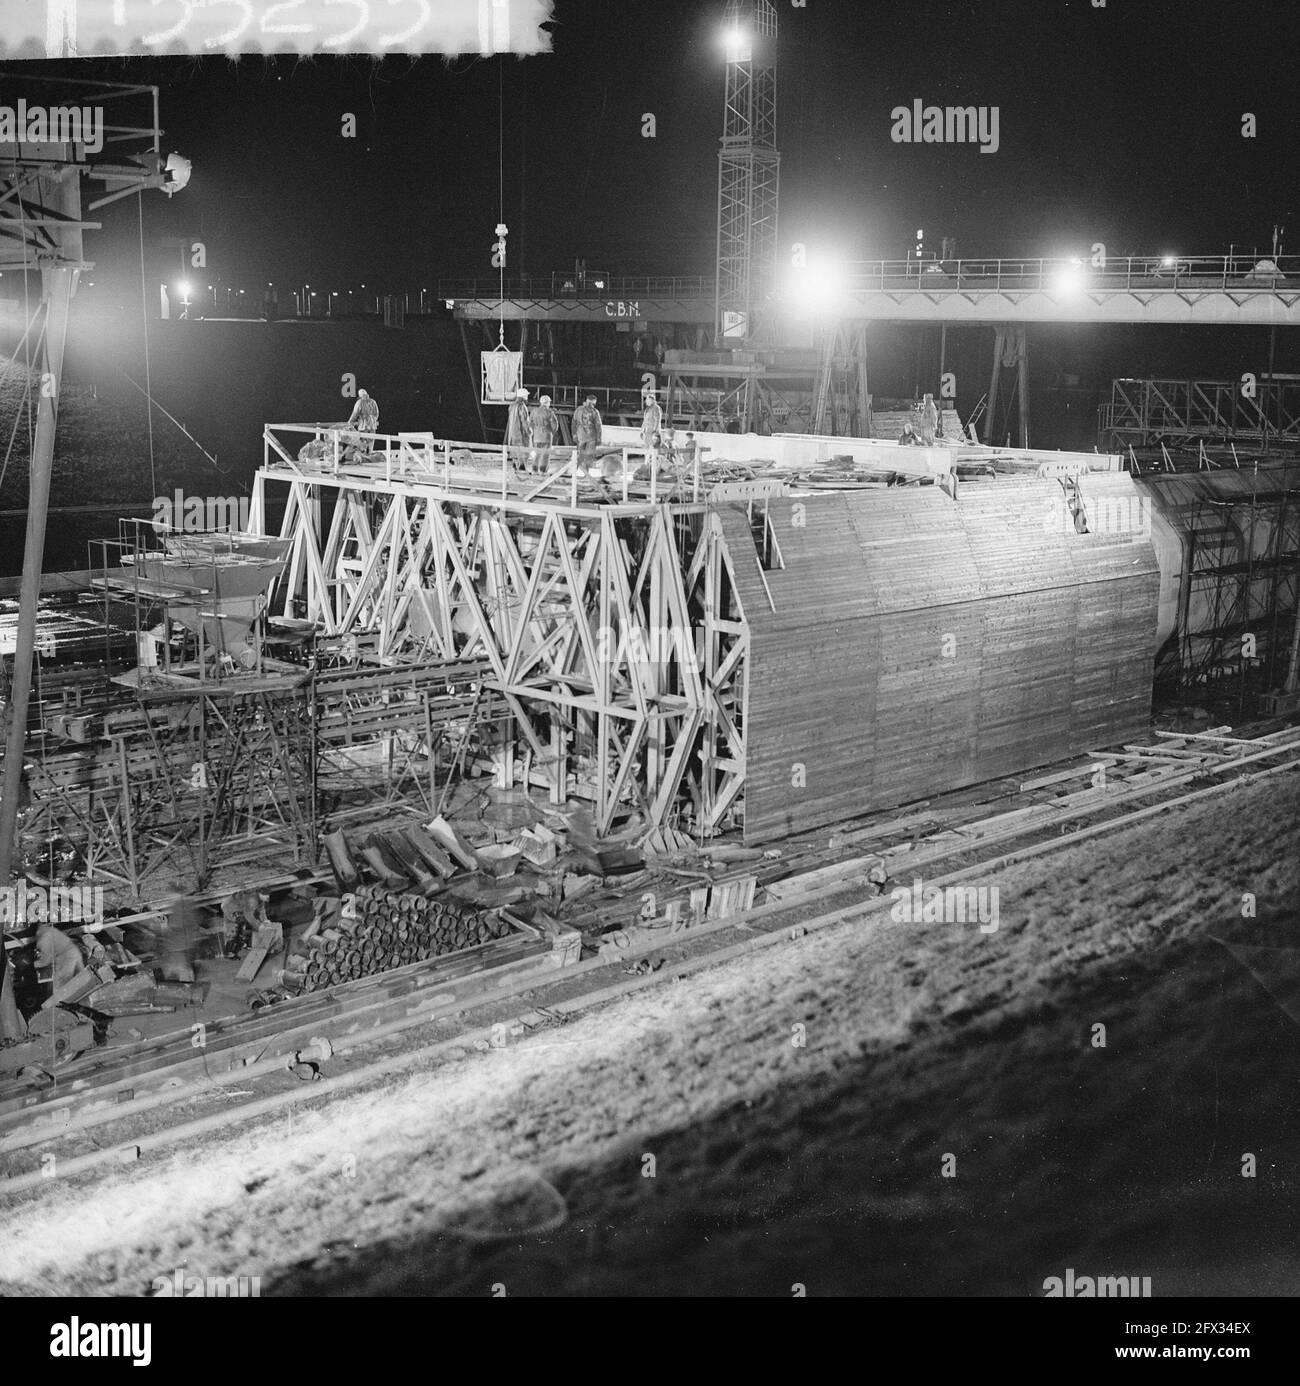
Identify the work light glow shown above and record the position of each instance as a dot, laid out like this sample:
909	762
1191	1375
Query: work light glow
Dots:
817	287
739	45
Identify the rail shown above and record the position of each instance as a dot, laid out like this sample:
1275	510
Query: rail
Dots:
1147	273
594	286
497	471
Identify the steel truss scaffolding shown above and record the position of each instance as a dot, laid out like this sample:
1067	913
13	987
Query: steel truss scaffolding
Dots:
612	632
762	397
206	780
1243	577
843	404
384	734
176	787
1143	411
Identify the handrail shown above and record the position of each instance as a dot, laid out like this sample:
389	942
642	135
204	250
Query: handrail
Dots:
423	457
1150	273
599	287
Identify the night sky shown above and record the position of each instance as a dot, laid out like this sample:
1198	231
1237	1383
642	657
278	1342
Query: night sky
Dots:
1120	124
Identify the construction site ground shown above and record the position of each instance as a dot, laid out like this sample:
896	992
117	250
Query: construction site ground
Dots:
680	1141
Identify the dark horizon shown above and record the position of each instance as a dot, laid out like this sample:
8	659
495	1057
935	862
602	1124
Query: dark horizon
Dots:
1117	125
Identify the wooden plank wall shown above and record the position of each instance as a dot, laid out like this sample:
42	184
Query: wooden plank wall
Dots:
921	644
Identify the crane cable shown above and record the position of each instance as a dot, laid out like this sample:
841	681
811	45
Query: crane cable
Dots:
501	192
144	322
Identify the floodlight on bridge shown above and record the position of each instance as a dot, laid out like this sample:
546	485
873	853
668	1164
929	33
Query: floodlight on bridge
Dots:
1069	279
816	289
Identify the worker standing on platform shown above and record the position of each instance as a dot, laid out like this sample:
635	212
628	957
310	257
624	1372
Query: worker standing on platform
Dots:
651	424
365	414
543	424
929	421
517	427
587	426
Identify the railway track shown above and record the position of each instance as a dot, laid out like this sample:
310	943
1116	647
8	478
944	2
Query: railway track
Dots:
439	1011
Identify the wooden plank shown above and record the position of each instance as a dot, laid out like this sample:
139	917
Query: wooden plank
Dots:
1061	776
269	937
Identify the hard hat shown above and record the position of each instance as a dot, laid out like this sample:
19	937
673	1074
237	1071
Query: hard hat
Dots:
521	393
546	399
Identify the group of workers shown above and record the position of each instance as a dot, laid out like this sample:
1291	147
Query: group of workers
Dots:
531	433
929	426
531	430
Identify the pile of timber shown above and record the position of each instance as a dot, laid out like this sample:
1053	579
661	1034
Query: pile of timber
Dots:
388	929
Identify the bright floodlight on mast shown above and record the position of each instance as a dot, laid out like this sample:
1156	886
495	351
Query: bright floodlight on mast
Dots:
748	167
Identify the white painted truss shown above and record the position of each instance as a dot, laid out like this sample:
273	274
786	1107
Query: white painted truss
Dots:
611	627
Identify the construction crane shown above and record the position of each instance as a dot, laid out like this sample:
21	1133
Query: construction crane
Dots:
748	171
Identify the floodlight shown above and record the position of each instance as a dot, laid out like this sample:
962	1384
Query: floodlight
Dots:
1069	279
817	287
738	43
178	170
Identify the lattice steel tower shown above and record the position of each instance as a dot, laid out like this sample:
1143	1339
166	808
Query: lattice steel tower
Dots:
748	169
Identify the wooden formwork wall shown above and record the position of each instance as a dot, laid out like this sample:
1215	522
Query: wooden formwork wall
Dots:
906	643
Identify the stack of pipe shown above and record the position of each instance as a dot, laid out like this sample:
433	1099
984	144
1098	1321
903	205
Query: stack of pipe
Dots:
389	929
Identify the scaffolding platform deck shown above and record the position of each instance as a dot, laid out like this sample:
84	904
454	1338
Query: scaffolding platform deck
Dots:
129	586
182	680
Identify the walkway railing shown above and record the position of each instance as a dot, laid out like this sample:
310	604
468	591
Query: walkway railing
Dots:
1146	273
1149	274
601	287
479	468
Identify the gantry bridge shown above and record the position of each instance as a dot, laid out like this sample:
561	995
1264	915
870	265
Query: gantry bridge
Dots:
1220	290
